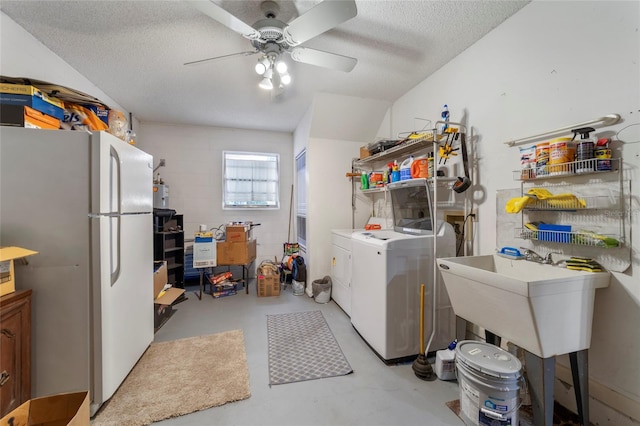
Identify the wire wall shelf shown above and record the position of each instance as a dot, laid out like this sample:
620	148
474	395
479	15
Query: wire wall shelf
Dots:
574	203
573	168
406	147
579	238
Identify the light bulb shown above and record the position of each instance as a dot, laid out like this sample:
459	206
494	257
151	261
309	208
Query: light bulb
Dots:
281	67
262	66
285	78
266	84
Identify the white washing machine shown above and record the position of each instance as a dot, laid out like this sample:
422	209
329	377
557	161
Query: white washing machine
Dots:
388	268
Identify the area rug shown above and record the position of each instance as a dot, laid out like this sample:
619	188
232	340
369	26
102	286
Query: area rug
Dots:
302	347
179	377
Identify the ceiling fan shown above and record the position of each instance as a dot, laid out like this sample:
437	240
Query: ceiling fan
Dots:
272	38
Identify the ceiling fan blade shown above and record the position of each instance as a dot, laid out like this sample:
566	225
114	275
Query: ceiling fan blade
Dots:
319	19
323	59
225	18
199	61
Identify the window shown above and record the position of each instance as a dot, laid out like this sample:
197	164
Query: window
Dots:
301	191
251	180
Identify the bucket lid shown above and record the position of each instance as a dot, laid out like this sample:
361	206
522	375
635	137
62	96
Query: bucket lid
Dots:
488	359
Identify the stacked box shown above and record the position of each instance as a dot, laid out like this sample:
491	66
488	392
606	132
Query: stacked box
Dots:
26	95
235	253
224	289
238	233
24	116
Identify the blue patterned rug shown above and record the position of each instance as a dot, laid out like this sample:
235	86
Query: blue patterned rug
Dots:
302	347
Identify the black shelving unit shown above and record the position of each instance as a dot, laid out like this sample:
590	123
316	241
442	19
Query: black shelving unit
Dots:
168	244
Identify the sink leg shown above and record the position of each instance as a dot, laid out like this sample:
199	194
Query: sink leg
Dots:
491	338
541	373
580	372
461	328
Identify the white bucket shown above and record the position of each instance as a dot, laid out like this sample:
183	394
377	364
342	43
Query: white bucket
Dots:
298	287
489	380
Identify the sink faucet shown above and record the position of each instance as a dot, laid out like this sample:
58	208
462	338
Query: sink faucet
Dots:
532	256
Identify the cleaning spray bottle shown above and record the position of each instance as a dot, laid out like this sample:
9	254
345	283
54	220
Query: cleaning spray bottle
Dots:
584	149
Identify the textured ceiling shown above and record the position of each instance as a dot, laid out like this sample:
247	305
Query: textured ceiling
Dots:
135	50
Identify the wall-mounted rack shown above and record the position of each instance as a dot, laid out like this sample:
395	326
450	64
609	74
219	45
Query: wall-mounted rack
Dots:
607	120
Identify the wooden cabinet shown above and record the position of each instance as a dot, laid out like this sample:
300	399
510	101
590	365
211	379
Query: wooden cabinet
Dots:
15	350
168	244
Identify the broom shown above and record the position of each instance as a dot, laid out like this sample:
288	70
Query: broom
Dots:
421	366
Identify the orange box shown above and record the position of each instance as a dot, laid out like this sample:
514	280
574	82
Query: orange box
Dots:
38	120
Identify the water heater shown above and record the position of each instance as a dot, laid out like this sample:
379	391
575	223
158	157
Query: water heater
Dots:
160	196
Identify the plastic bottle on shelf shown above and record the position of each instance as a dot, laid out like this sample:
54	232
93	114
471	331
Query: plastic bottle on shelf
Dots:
445	117
405	168
395	174
364	181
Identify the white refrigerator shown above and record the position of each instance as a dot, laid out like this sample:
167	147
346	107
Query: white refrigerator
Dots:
84	202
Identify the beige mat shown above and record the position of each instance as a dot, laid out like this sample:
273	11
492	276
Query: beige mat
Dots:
179	377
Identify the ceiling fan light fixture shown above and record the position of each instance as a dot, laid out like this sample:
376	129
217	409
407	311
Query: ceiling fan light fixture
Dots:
262	66
266	84
285	78
281	66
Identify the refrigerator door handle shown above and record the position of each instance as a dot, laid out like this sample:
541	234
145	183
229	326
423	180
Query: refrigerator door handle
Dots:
116	251
116	184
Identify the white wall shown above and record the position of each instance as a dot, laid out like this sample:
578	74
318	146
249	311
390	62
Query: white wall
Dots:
193	172
551	65
337	127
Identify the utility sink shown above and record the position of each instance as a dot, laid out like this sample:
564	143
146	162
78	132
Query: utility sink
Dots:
546	310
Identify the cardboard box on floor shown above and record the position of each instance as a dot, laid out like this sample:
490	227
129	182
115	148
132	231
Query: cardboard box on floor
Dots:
163	300
7	270
235	253
66	409
268	280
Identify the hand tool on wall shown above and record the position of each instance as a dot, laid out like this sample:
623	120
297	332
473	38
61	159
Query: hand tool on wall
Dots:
463	183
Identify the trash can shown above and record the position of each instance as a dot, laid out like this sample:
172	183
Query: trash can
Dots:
322	289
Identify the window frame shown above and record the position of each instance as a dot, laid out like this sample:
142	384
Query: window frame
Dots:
301	198
226	179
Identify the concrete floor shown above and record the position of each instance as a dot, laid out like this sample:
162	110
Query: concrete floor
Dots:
374	394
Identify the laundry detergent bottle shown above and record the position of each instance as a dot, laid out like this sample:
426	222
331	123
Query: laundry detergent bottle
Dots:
405	168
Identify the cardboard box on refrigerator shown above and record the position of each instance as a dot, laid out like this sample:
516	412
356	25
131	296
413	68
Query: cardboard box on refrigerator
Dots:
20	94
235	253
7	268
65	409
24	116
